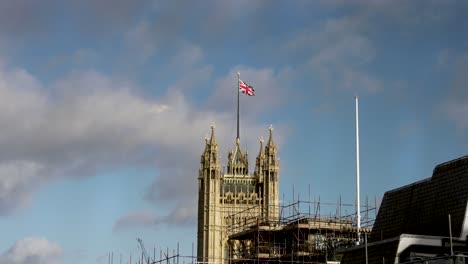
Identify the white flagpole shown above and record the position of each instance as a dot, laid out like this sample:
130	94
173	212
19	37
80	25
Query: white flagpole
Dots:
358	206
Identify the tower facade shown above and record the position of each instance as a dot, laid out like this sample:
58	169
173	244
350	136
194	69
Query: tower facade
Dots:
234	197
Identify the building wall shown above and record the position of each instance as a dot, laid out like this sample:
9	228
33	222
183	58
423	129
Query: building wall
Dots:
380	253
234	197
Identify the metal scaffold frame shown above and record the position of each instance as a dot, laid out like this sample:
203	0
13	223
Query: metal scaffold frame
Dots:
306	232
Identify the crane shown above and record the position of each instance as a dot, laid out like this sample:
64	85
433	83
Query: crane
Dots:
145	255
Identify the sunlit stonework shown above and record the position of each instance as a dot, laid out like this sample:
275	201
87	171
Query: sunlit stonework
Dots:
227	198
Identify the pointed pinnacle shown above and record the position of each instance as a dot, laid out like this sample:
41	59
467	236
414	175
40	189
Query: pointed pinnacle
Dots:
261	146
212	139
270	139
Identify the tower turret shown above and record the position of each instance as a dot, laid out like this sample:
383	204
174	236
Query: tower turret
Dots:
238	162
270	179
259	162
209	181
234	197
209	164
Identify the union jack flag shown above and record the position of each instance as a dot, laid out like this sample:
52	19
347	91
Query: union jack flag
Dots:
245	88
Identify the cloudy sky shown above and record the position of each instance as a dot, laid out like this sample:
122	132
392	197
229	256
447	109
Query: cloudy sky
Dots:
104	106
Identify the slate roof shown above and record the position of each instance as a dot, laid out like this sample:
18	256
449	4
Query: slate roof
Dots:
422	208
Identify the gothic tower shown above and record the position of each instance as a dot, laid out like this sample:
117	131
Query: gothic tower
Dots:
266	170
208	195
234	198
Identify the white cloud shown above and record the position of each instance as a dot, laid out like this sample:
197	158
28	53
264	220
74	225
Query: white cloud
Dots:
183	214
270	88
15	183
180	215
340	65
136	219
32	250
338	55
173	172
87	123
342	50
191	79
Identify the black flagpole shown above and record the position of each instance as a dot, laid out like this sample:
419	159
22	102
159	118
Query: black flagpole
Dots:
238	92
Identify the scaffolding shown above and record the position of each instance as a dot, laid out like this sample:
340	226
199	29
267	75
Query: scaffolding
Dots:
305	232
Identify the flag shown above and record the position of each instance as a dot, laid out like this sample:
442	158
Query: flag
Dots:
245	88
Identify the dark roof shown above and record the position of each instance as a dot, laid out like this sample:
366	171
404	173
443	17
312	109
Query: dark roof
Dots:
422	208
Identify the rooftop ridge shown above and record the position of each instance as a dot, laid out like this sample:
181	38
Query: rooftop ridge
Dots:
450	164
409	185
439	168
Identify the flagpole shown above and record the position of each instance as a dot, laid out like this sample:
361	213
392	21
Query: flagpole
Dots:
358	205
238	93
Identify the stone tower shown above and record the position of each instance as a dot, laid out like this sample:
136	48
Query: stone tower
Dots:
209	185
234	198
267	169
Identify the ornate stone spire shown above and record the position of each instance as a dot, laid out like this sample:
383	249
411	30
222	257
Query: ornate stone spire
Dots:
260	160
270	139
212	139
270	178
261	153
270	148
210	154
271	158
237	161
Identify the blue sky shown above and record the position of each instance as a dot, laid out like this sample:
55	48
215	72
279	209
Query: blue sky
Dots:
104	106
